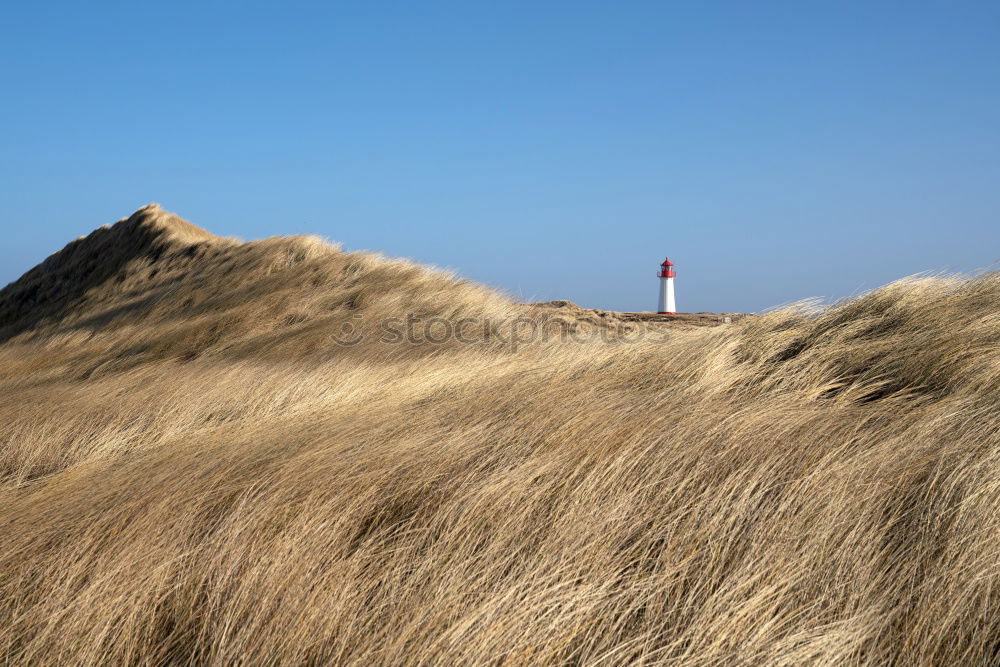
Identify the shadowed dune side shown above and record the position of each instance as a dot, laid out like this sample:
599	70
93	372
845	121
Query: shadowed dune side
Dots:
57	286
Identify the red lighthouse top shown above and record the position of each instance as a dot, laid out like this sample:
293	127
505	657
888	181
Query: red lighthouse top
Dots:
666	269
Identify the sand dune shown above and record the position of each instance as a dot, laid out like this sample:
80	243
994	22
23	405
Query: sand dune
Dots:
277	452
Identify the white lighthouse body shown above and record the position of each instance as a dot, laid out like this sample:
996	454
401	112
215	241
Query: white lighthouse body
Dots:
667	305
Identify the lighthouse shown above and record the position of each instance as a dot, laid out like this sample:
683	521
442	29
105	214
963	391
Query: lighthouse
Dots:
667	305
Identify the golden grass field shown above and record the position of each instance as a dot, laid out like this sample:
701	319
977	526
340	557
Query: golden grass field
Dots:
192	470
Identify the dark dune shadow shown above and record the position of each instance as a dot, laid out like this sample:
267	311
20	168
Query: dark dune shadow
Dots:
54	288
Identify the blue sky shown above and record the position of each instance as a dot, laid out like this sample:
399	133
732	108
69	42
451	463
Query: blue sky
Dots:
774	150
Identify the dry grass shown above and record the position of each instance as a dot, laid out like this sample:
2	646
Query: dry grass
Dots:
190	472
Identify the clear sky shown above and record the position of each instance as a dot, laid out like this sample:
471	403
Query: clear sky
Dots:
774	150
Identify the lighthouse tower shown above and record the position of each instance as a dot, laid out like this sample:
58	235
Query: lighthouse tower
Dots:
667	305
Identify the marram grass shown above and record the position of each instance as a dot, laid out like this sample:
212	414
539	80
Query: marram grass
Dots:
192	473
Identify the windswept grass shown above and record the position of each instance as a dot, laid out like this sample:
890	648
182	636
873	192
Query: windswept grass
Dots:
191	472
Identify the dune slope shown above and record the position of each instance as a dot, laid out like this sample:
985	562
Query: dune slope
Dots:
218	452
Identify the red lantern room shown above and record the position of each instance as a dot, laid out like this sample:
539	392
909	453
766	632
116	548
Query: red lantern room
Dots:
666	269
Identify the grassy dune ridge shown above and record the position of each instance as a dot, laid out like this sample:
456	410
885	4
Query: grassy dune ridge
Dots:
190	470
